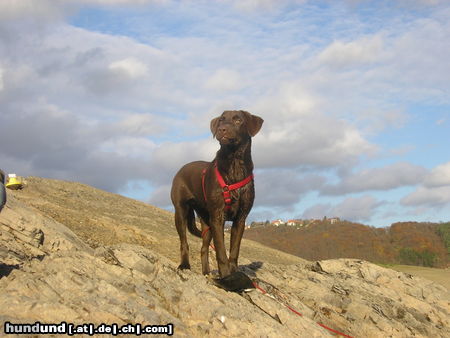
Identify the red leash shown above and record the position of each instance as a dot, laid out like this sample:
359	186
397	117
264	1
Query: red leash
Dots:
299	314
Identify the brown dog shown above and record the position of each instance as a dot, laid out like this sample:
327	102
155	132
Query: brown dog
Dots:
218	191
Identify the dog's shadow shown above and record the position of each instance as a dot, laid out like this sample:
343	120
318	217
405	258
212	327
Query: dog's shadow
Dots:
251	269
6	269
240	280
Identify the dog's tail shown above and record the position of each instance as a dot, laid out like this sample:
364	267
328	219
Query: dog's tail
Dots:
191	224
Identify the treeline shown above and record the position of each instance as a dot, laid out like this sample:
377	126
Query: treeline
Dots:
412	243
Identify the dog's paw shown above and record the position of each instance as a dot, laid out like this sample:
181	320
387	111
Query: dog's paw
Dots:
184	266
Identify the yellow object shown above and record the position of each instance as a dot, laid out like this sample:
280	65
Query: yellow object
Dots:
14	182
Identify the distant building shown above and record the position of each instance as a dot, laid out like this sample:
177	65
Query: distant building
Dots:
257	224
334	220
277	222
312	221
295	222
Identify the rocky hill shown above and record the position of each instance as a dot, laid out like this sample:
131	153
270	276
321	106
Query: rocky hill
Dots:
70	253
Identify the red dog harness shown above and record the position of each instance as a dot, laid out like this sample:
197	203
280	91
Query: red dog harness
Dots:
226	188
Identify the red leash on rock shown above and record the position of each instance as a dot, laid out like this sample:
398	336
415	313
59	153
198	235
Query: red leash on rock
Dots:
299	314
264	292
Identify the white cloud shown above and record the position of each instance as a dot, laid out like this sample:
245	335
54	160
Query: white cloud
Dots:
224	80
439	176
129	147
253	5
414	61
168	157
390	177
366	50
435	191
296	132
310	140
424	2
161	196
138	125
59	144
120	2
356	208
283	188
14	9
56	9
431	197
2	84
292	100
317	211
407	3
86	69
352	209
130	67
376	121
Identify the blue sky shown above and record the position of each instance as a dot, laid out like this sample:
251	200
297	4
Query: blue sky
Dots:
119	94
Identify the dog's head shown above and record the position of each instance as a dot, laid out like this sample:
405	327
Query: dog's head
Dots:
235	126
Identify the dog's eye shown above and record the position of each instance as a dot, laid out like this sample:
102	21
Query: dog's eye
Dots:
238	121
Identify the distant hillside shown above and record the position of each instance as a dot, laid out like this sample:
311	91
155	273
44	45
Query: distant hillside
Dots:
413	243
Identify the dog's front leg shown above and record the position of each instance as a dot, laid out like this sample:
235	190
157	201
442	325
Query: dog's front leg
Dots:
237	230
217	223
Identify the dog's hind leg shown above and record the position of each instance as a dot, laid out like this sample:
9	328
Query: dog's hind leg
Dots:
206	240
182	212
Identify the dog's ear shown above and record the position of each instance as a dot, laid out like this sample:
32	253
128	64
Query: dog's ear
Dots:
214	124
253	123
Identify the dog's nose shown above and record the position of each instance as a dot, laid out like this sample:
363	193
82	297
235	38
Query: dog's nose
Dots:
222	129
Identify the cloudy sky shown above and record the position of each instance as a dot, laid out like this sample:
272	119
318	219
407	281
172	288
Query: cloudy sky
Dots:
119	94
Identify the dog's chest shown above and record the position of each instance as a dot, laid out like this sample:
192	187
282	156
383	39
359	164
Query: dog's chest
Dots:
241	202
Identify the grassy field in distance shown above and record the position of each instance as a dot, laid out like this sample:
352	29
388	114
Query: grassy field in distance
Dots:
441	276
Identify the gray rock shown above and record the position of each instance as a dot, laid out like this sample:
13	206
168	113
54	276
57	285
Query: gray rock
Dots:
26	235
